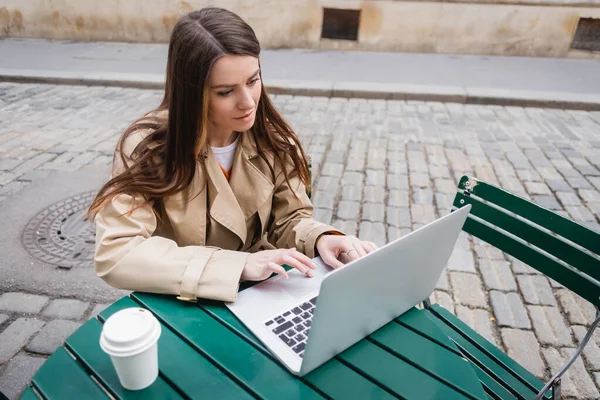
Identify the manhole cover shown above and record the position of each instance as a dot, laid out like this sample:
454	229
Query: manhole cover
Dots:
61	236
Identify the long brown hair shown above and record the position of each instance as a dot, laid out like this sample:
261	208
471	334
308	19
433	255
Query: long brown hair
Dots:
164	162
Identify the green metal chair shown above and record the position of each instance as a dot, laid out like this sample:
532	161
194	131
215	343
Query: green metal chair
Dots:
563	250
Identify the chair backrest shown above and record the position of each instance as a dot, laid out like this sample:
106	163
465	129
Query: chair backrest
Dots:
564	250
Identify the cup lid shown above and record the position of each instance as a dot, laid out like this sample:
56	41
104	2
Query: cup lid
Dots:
129	332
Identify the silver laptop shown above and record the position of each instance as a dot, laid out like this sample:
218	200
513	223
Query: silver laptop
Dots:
305	321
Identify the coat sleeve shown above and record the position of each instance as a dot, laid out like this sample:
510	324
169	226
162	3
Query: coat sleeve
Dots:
292	223
128	256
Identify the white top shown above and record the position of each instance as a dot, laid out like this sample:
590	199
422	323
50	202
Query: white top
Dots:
225	154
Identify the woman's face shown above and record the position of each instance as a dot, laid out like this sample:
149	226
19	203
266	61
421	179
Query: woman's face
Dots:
234	92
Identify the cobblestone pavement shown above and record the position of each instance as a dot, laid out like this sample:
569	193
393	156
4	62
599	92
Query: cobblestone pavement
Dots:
381	168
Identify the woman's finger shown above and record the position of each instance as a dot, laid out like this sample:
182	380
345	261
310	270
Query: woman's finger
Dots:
278	269
292	262
352	254
359	248
330	259
302	258
369	247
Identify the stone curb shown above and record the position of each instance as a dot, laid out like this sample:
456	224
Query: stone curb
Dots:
365	90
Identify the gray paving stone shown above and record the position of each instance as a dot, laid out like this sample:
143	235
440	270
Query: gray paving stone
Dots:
590	196
397	181
374	194
591	351
576	382
22	303
348	227
323	215
581	214
461	260
395	232
528	175
3	318
98	308
373	232
398	198
509	310
549	326
536	290
66	309
399	217
374	212
523	347
419	179
445	186
348	210
442	282
568	199
548	202
467	289
52	336
423	196
537	188
486	252
559	185
578	182
16	336
577	309
324	199
351	193
477	319
519	267
422	214
443	299
18	373
375	177
331	169
497	275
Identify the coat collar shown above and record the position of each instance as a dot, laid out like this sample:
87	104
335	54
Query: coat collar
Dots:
248	188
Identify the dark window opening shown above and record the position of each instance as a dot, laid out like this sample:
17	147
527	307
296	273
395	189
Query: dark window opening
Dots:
587	35
340	24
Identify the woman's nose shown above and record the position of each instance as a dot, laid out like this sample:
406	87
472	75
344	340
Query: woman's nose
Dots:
246	101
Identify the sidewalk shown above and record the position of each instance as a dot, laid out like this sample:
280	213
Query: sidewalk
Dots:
541	82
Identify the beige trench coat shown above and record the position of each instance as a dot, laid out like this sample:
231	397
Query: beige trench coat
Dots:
199	245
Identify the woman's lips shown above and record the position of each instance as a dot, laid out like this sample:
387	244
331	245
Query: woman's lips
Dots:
245	116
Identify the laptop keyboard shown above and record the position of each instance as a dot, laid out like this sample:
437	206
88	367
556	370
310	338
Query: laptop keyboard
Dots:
292	326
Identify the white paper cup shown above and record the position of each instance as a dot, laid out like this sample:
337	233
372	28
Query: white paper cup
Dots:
129	337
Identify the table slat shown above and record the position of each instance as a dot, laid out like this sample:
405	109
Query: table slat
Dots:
199	377
249	366
435	360
333	378
84	344
418	321
61	377
488	364
29	394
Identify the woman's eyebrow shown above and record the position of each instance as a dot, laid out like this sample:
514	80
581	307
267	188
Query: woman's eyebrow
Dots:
230	86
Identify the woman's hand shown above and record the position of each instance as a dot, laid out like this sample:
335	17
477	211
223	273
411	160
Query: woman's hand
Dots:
332	247
262	264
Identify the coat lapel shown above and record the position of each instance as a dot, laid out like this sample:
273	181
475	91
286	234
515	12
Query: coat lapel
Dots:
250	186
224	207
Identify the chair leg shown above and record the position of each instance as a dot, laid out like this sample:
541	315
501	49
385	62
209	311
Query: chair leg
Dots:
556	391
554	382
426	304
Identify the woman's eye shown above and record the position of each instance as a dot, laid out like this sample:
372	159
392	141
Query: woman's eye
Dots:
225	93
253	81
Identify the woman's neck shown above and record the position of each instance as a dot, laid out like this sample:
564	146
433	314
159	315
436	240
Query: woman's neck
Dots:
221	140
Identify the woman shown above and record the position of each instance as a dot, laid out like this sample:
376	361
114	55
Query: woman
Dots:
210	188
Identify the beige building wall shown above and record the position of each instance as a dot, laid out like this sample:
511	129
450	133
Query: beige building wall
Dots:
498	27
